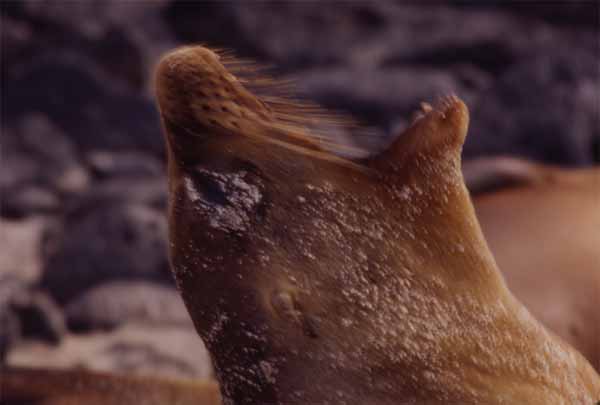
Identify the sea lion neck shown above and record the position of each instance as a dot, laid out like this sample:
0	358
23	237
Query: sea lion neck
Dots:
312	279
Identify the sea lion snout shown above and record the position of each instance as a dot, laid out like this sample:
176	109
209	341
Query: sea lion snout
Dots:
177	77
196	91
200	98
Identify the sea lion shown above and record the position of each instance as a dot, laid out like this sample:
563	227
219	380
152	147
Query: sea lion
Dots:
543	225
312	279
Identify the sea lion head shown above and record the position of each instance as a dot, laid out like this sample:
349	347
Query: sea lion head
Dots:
313	279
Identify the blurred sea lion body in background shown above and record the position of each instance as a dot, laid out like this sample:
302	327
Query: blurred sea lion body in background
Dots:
543	226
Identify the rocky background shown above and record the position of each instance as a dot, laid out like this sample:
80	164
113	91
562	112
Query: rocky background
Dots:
84	278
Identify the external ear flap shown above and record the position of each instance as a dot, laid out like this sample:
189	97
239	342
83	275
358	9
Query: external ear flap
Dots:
424	163
436	135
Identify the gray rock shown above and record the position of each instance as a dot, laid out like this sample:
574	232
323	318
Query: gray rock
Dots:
106	33
114	303
59	165
39	316
22	248
107	242
28	200
131	349
544	110
106	164
93	112
27	313
41	166
10	332
567	12
151	192
378	96
312	33
10	327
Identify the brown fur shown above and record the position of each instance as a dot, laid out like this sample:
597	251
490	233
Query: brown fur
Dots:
544	231
215	99
313	282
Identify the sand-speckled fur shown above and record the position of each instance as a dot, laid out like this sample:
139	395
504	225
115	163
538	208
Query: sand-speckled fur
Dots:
313	282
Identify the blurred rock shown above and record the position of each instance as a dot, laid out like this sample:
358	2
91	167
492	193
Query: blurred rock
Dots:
10	327
149	191
298	35
110	241
512	117
39	164
93	112
39	317
59	165
380	96
21	248
566	12
292	34
16	36
10	332
115	303
27	313
104	164
132	349
27	200
105	33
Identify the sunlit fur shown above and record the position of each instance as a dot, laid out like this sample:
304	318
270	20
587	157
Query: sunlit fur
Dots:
226	94
313	282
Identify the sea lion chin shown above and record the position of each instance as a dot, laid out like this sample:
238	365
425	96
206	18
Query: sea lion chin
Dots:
313	279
